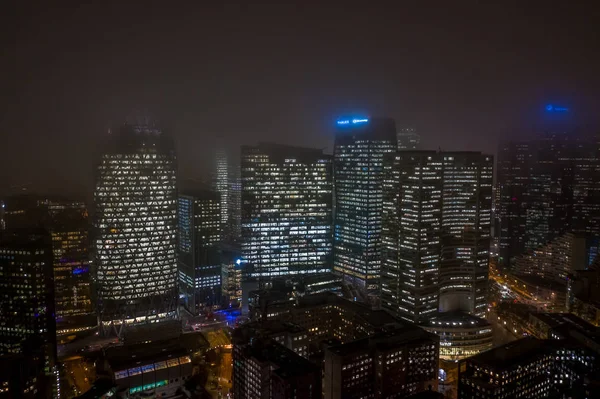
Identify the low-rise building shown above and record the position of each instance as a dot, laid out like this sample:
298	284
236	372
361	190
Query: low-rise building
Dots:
265	369
528	368
461	334
388	365
156	368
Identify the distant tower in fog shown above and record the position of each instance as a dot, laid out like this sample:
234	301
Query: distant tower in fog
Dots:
234	229
222	185
135	225
360	147
408	139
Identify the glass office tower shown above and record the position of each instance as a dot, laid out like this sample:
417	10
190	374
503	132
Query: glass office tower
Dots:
360	147
286	210
199	249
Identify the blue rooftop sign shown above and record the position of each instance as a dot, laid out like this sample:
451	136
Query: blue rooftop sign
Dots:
554	108
352	121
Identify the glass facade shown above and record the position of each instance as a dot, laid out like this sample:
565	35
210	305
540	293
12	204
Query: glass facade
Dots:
135	226
466	229
436	232
358	167
199	249
412	218
222	185
286	210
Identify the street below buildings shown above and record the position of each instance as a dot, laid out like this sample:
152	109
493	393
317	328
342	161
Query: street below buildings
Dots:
220	371
78	377
501	333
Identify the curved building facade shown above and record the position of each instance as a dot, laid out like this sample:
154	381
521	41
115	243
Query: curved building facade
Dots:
461	335
135	228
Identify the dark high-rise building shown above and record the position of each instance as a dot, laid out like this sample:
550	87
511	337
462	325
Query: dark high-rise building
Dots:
360	146
286	210
27	336
466	230
408	139
135	228
548	186
68	224
2	216
70	244
513	176
199	252
411	234
436	232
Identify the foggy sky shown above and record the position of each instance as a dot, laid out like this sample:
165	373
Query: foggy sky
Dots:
224	73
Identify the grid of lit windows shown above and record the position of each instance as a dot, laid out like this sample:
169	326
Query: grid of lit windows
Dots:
199	252
70	246
411	234
136	205
466	225
358	164
26	301
436	232
222	185
286	209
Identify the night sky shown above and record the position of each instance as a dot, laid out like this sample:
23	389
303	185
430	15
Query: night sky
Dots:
463	73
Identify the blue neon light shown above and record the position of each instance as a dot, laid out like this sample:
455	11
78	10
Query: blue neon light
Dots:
80	270
554	108
353	121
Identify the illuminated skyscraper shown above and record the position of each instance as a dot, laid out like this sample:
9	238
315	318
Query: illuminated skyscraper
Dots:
199	253
234	229
408	139
436	232
222	185
286	209
412	226
135	228
360	146
466	228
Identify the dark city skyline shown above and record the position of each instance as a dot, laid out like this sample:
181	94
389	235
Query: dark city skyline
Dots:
465	74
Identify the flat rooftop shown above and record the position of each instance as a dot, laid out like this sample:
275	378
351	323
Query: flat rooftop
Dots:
376	318
455	319
121	357
510	355
555	320
246	331
287	362
384	341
